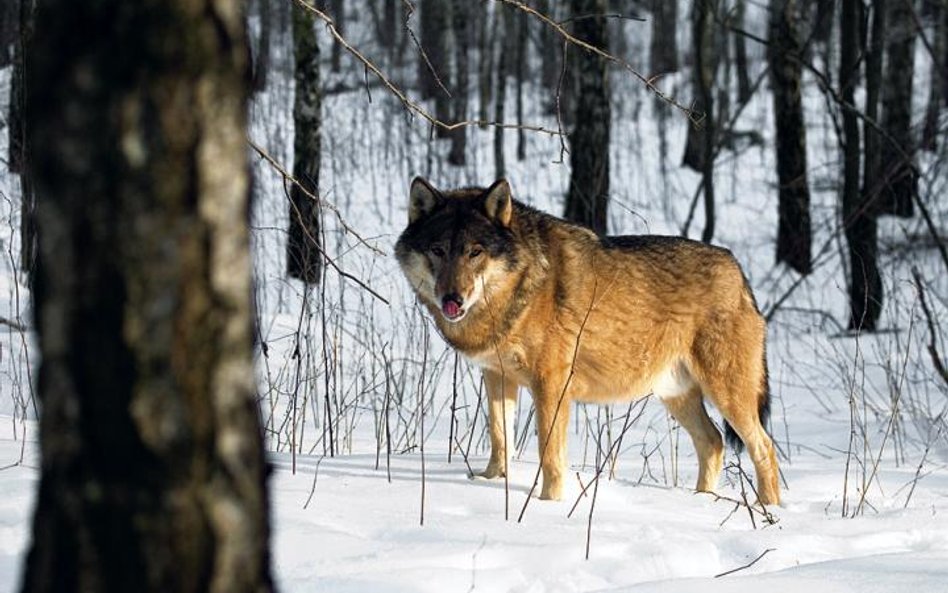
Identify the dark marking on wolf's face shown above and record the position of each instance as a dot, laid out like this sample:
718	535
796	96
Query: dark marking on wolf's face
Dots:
455	243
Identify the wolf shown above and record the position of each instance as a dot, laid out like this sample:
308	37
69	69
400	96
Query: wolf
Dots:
539	302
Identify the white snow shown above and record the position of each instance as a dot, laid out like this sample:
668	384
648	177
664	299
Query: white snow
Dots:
859	420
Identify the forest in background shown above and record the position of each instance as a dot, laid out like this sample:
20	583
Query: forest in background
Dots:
344	94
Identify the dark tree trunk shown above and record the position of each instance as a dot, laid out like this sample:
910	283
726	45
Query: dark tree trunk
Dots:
303	253
486	36
431	71
865	288
462	35
338	8
19	140
520	75
551	58
261	62
152	456
740	55
794	237
388	30
899	176
703	35
663	53
871	174
16	129
702	80
587	200
9	31
504	26
823	21
936	84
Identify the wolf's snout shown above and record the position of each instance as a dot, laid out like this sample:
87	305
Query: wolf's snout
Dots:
451	306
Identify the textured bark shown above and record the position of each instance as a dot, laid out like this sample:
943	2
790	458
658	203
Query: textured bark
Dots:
587	199
152	461
663	53
899	176
462	35
794	237
865	286
303	254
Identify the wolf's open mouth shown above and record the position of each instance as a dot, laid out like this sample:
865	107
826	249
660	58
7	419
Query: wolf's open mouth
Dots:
452	311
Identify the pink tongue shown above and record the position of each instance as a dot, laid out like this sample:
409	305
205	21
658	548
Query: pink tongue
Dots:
450	308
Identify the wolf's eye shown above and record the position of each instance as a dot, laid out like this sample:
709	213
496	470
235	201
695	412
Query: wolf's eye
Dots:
475	252
437	251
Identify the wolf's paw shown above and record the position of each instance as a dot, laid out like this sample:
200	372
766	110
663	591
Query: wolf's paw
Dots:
492	471
552	492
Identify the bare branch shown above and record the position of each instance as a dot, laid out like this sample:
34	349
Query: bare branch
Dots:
401	95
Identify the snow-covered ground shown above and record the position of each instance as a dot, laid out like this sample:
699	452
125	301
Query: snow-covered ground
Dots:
859	420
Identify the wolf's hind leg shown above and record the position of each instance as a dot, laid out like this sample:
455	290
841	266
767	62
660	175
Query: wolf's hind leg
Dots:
501	405
733	375
688	409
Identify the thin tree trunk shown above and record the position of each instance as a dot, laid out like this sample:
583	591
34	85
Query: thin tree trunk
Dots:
899	177
740	55
865	288
486	35
153	470
702	80
504	26
936	84
19	140
703	34
434	24
388	30
303	254
587	199
663	53
871	186
794	236
462	29
522	33
551	57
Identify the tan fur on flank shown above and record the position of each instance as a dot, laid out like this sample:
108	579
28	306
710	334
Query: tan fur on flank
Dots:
548	305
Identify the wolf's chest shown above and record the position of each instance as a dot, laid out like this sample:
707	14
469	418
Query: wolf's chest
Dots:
509	359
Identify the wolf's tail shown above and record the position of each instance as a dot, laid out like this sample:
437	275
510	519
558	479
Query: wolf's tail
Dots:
763	411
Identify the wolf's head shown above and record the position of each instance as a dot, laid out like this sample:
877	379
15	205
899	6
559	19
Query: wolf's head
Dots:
457	244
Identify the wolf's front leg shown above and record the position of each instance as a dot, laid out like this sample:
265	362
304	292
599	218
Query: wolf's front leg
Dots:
552	420
501	405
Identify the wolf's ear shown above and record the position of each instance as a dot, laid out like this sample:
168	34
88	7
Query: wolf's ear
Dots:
422	199
498	203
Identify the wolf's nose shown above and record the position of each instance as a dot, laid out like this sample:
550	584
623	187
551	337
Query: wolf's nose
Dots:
452	297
